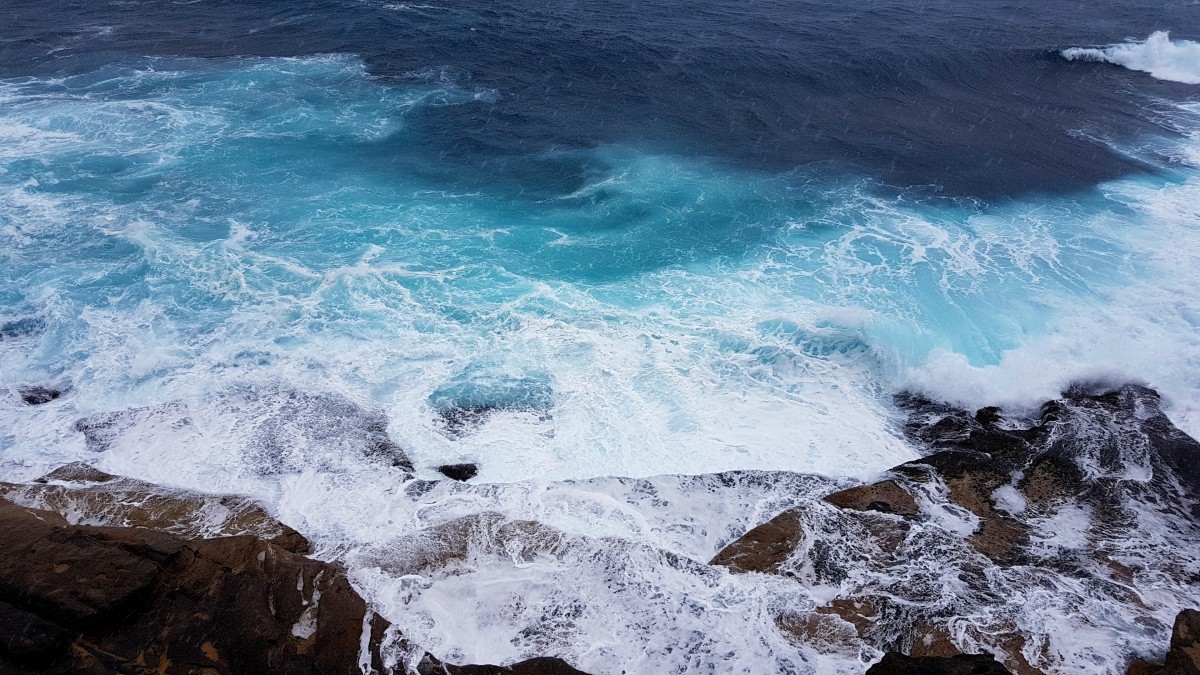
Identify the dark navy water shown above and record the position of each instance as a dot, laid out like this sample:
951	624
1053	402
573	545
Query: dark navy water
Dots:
970	99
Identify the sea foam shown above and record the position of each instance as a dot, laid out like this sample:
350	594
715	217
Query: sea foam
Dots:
1162	57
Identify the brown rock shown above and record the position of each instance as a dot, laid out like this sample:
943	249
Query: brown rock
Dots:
444	544
766	547
885	496
86	494
1144	668
823	632
65	574
87	599
28	639
971	478
1184	656
932	640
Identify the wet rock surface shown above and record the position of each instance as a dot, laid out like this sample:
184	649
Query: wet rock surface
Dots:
279	430
458	421
37	395
1183	657
91	496
884	496
1000	505
1083	510
766	547
960	664
172	581
86	599
463	472
537	666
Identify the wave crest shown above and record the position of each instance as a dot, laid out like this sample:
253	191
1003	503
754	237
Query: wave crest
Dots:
1163	58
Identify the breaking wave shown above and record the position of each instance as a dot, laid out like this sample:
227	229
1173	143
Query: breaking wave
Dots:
1159	55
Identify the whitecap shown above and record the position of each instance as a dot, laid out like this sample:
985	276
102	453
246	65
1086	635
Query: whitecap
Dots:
1162	57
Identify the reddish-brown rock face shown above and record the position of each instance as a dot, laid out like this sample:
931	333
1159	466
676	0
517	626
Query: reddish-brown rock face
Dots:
99	599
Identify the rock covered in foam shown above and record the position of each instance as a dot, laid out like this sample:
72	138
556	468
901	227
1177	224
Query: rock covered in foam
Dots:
998	503
103	430
288	430
279	430
155	595
86	495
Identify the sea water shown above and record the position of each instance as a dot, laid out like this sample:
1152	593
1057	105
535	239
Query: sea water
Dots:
658	245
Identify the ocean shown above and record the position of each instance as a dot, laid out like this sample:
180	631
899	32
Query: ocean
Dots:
589	246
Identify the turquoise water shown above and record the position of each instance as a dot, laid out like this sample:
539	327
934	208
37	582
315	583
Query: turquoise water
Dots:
174	227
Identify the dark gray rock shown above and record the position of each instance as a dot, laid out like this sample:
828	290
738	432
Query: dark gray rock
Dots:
536	666
960	664
38	395
463	472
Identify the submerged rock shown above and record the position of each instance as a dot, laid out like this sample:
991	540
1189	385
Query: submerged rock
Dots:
19	328
458	421
278	430
287	430
960	664
102	431
38	395
462	472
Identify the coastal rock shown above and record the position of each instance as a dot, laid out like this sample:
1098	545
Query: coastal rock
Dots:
1183	658
537	666
37	395
20	328
90	599
884	496
960	664
461	472
766	547
458	421
288	430
443	545
102	430
86	495
997	502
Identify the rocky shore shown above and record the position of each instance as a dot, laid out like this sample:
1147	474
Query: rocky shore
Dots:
106	574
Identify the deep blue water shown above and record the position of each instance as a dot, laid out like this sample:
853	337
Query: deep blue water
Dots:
969	97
